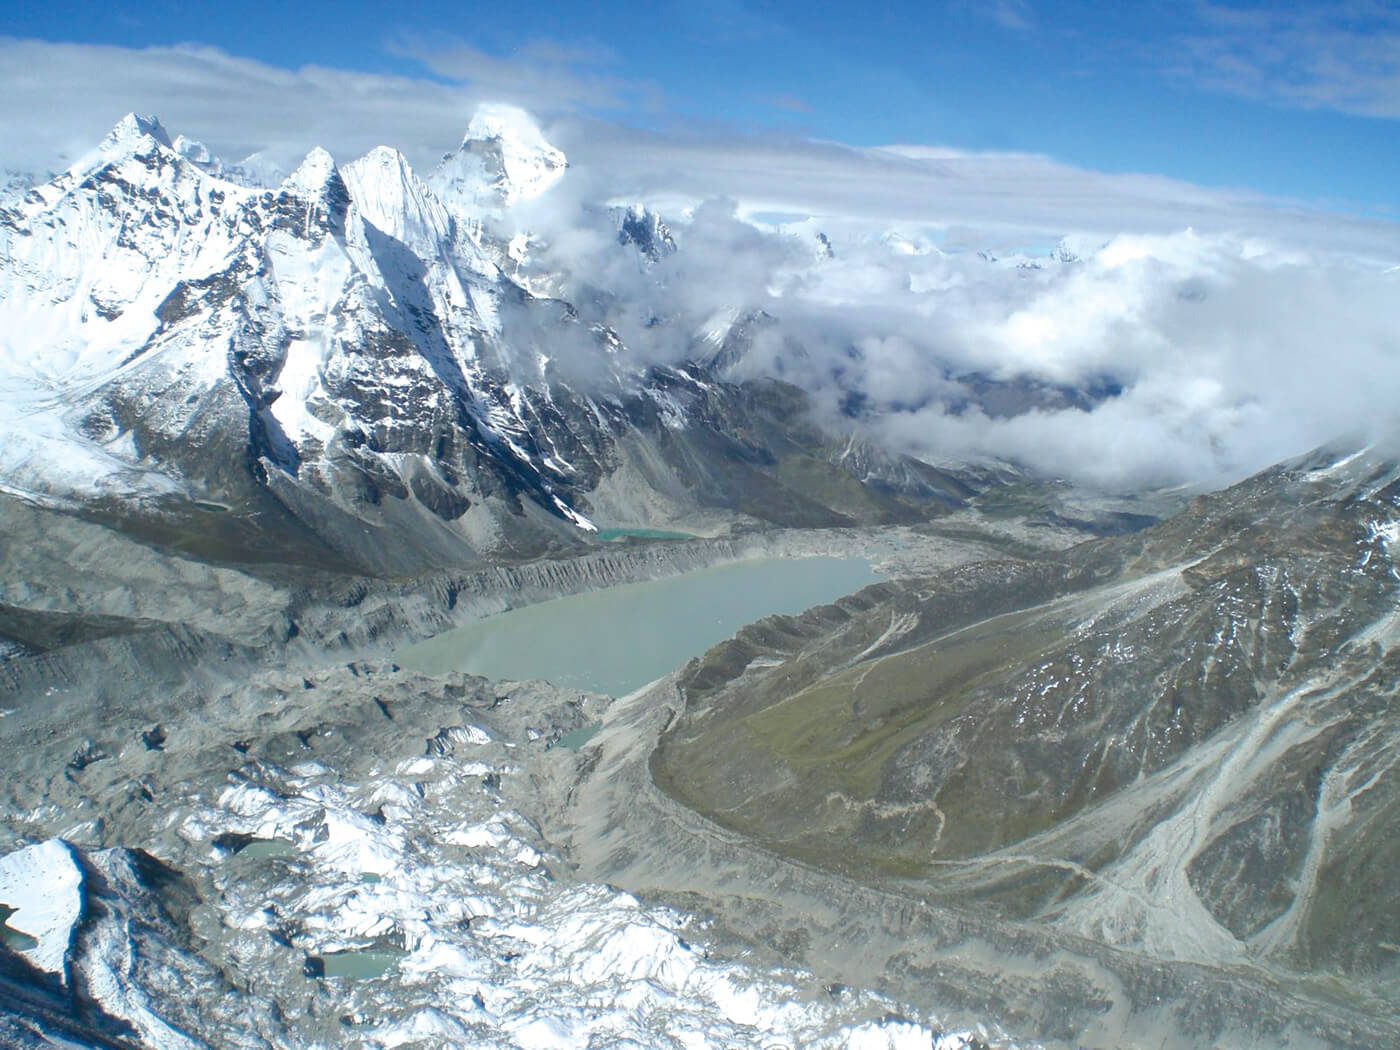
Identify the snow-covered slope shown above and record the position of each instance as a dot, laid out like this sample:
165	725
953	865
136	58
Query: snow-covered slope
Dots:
89	257
338	330
42	884
358	356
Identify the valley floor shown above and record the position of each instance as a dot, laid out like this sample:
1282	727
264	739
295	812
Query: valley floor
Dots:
253	827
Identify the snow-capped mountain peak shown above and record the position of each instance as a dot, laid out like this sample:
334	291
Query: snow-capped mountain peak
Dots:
395	201
497	120
504	158
198	154
317	187
647	231
128	132
89	257
132	136
312	174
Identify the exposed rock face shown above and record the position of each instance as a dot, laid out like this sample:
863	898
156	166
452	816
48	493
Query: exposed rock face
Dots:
647	232
504	158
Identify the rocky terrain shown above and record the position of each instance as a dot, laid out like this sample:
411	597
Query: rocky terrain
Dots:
347	859
1082	771
1176	747
1186	848
234	808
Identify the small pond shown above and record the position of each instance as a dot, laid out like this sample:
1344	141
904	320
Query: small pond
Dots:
618	535
363	964
576	738
14	939
246	847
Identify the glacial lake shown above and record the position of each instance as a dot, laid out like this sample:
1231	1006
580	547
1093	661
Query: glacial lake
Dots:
360	965
618	639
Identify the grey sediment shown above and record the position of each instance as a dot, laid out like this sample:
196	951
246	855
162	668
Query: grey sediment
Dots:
616	824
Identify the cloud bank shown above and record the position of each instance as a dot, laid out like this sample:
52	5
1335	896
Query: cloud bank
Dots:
239	106
1139	359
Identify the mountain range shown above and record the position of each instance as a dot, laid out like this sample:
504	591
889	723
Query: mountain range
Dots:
358	354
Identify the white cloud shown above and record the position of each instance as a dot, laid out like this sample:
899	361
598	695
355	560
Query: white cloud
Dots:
60	99
1011	14
1342	56
1015	15
1156	359
1215	358
993	200
1227	360
543	74
238	106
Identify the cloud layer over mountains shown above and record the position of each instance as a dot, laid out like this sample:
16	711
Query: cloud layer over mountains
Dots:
1136	359
1178	335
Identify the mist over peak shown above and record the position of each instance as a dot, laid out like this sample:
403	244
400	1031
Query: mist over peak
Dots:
1178	357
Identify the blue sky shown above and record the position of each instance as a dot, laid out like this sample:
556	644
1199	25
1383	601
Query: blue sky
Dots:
1295	100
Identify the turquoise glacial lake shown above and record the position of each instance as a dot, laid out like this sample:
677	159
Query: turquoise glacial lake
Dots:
618	639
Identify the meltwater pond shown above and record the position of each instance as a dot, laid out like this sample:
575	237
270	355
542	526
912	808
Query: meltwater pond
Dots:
618	639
